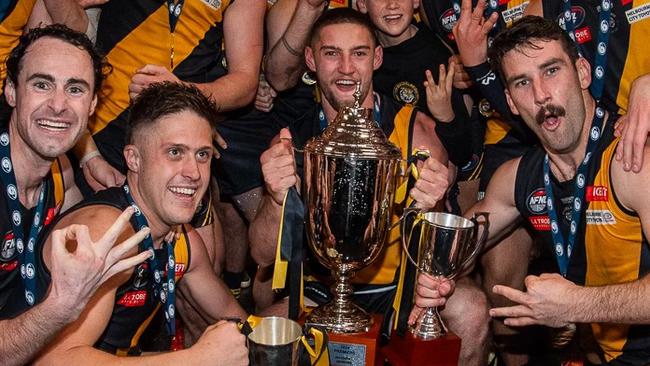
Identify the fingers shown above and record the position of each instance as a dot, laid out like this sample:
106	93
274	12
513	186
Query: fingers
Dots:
510	293
124	264
489	23
151	70
465	8
510	311
450	77
431	184
479	10
110	236
415	314
61	236
285	134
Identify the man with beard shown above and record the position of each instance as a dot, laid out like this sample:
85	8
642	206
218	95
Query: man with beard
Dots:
342	51
169	171
53	75
574	194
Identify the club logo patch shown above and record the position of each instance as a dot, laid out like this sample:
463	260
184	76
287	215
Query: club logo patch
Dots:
577	15
406	92
448	20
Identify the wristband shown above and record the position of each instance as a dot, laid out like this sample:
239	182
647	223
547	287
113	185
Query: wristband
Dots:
87	157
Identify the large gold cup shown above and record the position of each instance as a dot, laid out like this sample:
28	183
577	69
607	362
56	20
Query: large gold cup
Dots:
348	188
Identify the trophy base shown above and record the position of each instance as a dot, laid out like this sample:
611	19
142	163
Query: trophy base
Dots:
428	327
356	348
351	319
410	350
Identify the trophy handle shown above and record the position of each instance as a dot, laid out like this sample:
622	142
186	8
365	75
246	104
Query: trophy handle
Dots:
479	243
406	239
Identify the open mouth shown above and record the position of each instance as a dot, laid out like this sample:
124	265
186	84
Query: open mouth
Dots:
183	192
346	84
549	116
52	125
392	18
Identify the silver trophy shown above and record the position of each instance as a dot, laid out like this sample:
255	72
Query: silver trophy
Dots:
448	245
348	188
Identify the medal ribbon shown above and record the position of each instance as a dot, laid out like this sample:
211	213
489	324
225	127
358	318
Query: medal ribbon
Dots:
600	60
175	8
166	294
27	255
563	248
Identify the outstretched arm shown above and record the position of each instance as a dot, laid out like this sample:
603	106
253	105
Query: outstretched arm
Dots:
75	276
552	300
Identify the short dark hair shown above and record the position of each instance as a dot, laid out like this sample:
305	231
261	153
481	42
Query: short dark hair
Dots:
524	33
57	31
162	99
342	16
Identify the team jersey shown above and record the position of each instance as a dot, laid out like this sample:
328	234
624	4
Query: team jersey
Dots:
610	246
135	304
629	33
133	33
397	122
12	298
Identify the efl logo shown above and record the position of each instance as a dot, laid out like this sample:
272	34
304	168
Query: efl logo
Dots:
537	201
540	223
597	193
133	299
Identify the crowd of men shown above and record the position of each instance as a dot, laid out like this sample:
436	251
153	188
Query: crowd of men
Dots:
147	149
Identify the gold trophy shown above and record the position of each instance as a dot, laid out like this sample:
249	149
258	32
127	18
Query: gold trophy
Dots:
348	188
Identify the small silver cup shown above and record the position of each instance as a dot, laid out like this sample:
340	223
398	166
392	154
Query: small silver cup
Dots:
448	245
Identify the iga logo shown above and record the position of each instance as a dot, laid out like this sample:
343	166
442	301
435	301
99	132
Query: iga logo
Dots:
597	193
536	202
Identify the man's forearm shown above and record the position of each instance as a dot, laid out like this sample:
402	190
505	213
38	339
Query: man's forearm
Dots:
21	338
263	231
623	303
67	12
284	62
231	91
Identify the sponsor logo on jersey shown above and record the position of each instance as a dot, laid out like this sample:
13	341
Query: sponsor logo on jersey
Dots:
536	201
213	3
448	20
513	13
133	299
50	216
8	250
406	92
600	217
540	223
8	266
578	15
597	193
625	2
338	3
638	14
583	35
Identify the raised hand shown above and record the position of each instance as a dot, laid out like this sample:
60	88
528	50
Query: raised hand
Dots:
439	94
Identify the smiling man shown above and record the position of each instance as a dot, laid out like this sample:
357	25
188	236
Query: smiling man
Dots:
169	171
577	198
52	78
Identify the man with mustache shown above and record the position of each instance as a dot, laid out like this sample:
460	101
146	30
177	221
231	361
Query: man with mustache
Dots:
586	210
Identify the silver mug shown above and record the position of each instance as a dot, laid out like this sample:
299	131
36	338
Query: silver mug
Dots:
448	244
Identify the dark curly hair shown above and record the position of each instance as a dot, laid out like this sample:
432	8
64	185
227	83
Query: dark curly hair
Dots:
162	99
58	31
524	33
342	16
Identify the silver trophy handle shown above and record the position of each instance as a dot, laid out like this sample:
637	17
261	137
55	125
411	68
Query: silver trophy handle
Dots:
406	240
479	244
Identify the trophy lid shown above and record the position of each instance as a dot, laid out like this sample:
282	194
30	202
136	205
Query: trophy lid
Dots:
354	133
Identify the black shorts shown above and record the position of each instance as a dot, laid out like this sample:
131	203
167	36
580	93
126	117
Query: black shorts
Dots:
248	135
